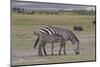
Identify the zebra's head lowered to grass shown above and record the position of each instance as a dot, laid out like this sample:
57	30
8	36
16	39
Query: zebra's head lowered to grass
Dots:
76	48
75	43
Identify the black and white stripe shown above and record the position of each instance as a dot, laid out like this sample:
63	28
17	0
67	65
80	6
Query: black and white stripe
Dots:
65	33
44	38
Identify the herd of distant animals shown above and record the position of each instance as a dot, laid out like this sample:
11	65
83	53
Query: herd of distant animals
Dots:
22	11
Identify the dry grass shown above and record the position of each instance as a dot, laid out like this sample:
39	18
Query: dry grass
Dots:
23	38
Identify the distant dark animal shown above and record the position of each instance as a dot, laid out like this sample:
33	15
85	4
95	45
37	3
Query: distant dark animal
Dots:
78	28
94	22
66	34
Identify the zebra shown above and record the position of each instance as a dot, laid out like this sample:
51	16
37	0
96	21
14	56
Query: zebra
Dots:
66	34
44	38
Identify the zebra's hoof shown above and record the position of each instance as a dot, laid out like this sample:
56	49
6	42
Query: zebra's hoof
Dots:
46	55
59	54
52	54
77	53
65	54
40	55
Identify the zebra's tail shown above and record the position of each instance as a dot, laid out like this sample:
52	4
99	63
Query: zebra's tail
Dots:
36	42
37	34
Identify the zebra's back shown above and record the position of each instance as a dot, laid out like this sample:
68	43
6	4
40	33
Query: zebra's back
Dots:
50	38
51	30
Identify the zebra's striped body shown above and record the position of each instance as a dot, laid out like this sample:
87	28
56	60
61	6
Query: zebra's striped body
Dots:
44	39
66	35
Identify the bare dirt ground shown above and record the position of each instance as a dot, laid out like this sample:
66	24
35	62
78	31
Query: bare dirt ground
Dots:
28	55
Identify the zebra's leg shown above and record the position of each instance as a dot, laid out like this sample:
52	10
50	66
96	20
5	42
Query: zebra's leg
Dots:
64	48
44	49
63	44
39	50
52	48
60	49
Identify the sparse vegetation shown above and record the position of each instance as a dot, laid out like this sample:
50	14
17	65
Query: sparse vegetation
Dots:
54	12
23	39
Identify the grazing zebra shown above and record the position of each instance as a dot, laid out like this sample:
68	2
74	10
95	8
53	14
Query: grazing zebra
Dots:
66	34
45	38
